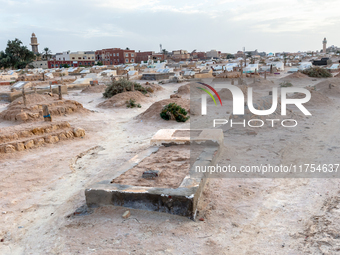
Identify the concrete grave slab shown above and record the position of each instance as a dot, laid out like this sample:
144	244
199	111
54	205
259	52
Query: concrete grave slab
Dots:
181	200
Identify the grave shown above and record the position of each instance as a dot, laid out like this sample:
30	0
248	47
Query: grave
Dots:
162	178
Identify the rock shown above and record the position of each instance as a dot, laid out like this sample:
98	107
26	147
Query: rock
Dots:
21	116
9	149
51	139
201	219
126	215
39	141
175	96
78	132
29	144
62	136
20	146
69	134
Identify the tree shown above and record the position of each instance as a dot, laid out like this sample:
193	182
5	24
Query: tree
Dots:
47	53
16	55
127	48
165	52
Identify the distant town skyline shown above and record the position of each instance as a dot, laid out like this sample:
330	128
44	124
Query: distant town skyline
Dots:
224	25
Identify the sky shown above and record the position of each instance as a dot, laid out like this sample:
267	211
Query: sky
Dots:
224	25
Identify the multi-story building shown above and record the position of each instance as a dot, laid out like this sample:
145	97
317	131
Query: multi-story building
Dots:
146	55
74	59
115	56
179	55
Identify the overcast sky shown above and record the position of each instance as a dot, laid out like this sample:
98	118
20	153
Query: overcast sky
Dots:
225	25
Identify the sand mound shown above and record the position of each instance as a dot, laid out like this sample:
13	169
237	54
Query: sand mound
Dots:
152	87
225	94
185	89
297	75
153	112
16	111
338	75
94	89
32	99
120	99
329	87
317	98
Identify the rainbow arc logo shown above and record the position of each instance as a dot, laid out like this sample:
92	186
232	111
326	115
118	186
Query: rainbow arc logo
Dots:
209	93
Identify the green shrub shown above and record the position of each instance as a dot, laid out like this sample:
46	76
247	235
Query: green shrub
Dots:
286	84
120	86
173	111
317	72
132	104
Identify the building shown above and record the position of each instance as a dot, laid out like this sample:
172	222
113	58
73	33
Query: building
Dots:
179	55
324	42
199	55
73	59
40	64
146	55
115	56
213	54
34	43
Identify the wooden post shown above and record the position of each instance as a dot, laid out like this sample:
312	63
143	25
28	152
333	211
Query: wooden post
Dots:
265	75
43	76
24	96
241	72
50	87
60	94
271	68
46	113
127	76
254	78
232	81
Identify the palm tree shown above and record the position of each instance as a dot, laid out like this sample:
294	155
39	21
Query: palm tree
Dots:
47	53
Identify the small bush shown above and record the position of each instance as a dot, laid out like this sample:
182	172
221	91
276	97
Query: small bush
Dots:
120	86
317	72
173	111
132	104
286	84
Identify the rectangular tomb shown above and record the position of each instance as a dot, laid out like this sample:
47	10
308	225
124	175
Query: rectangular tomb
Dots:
160	178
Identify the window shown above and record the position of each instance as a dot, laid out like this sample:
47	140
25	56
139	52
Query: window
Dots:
132	55
132	60
72	57
114	54
117	54
79	57
126	54
126	60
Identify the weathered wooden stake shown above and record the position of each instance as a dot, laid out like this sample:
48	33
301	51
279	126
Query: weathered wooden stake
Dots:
127	76
24	96
60	94
232	81
46	113
265	75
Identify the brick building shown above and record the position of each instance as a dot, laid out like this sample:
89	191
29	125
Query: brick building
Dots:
115	56
146	55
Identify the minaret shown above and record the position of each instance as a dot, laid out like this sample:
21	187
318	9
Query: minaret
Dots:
34	43
324	42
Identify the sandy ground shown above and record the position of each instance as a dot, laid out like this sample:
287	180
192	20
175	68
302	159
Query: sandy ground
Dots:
42	191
